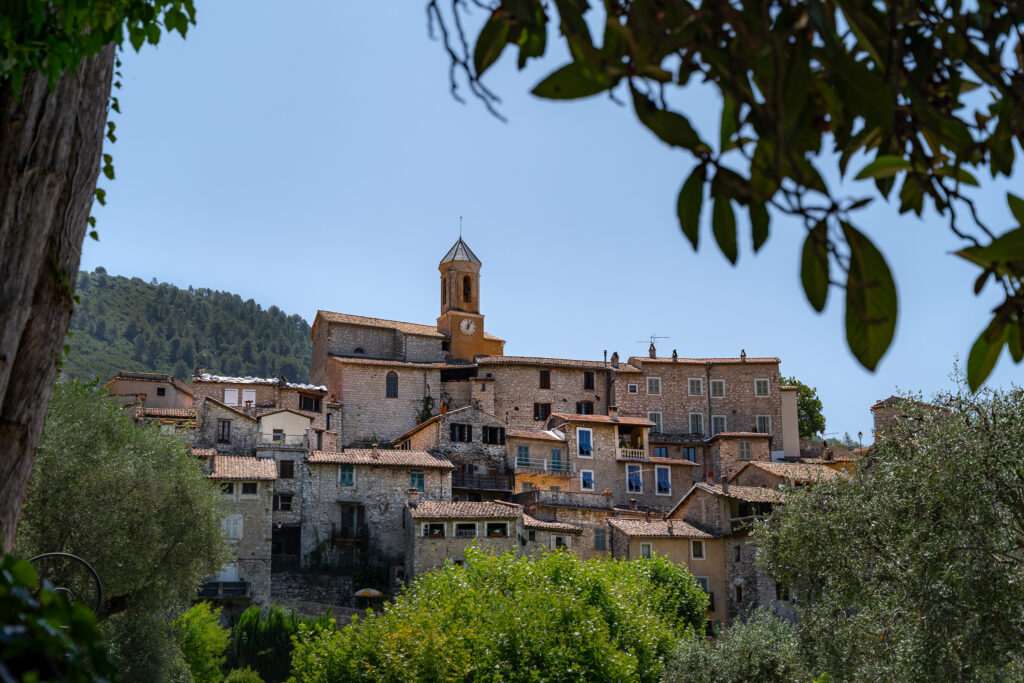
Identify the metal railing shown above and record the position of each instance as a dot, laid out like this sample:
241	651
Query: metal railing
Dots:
346	532
281	440
492	482
225	589
556	466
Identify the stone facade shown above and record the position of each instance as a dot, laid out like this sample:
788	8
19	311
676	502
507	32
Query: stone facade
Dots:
517	387
589	512
670	394
726	457
150	389
376	498
256	395
240	432
436	536
249	534
368	414
291	588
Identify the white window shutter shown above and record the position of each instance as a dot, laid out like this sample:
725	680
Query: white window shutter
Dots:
231	397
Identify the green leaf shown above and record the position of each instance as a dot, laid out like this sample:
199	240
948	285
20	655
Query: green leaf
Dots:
723	225
758	223
137	37
688	207
814	266
1016	207
673	128
730	123
985	353
490	43
153	33
1015	341
101	196
871	303
884	167
573	81
95	235
961	175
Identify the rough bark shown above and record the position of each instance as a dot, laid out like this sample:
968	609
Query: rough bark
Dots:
50	147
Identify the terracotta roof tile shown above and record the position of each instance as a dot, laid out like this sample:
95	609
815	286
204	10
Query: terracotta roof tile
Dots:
672	461
404	327
243	467
740	435
533	523
750	360
384	362
151	377
604	419
749	494
538	434
542	362
676	528
382	458
796	472
204	452
440	509
187	413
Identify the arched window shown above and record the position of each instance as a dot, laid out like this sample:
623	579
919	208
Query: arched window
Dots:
467	290
444	291
391	385
358	349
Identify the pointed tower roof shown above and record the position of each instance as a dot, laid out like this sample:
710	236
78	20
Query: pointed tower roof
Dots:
460	251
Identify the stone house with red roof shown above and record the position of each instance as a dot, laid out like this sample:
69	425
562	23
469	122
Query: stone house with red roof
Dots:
150	389
439	532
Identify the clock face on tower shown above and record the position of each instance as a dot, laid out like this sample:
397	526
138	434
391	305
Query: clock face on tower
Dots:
468	327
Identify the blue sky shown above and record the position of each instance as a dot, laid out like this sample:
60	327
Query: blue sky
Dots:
314	158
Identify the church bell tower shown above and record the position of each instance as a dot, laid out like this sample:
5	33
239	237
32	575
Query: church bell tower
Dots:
460	316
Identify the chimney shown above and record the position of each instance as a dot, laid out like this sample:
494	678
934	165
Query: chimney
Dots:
414	497
725	484
613	412
606	357
647	516
675	355
632	504
615	359
375	454
743	355
652	352
670	527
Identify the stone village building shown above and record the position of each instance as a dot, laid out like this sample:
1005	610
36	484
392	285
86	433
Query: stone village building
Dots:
414	441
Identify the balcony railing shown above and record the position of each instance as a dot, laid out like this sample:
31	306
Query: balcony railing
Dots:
630	454
549	466
490	482
287	441
224	590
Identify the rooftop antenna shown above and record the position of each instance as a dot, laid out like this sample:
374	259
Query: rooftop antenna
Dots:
651	340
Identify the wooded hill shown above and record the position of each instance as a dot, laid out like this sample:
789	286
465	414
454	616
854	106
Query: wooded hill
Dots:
129	324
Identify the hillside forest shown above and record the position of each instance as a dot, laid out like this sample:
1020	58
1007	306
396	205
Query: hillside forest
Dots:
129	324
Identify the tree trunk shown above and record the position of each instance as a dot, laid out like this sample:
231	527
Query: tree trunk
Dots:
50	147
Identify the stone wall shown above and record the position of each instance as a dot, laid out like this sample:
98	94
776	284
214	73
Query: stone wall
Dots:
517	388
377	342
758	588
427	554
369	414
383	491
251	552
739	405
705	510
327	589
726	458
456	394
243	430
587	515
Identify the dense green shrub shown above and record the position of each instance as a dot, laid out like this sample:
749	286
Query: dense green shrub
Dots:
764	648
262	640
245	675
203	641
557	618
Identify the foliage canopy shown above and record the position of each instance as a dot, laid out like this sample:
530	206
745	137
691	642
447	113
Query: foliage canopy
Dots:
916	95
135	504
911	569
261	640
203	641
556	618
810	419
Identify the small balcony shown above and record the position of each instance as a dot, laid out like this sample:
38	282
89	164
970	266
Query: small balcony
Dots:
630	454
486	482
346	533
225	590
545	466
281	442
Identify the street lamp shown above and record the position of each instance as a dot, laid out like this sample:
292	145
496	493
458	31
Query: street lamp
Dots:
860	437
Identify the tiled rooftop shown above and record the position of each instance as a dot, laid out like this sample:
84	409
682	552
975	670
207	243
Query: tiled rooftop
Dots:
243	467
204	452
406	328
438	509
750	360
638	421
207	377
796	472
749	494
533	523
381	458
676	528
385	362
187	413
460	251
542	362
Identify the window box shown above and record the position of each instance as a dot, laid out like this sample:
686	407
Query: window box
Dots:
497	529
